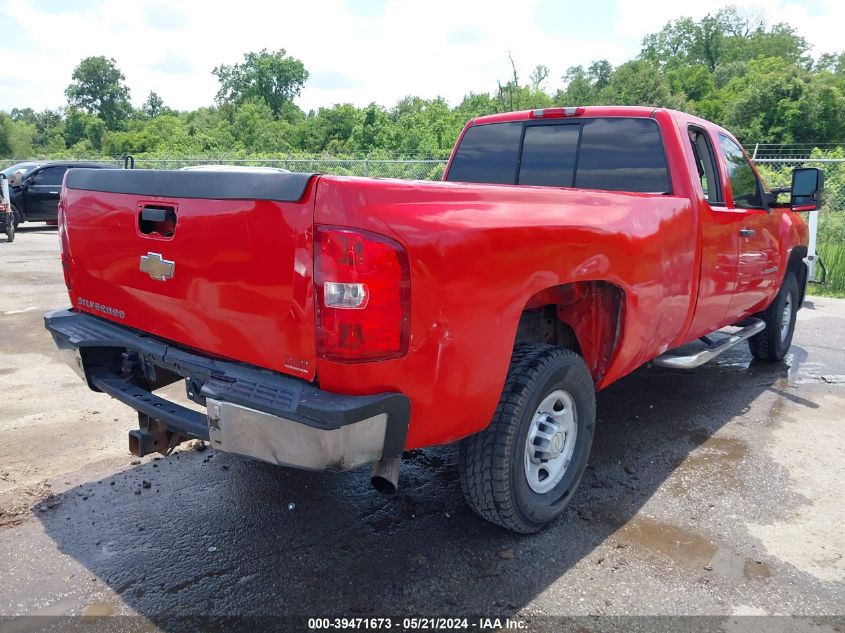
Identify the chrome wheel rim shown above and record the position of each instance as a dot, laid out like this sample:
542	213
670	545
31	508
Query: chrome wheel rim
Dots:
786	318
551	441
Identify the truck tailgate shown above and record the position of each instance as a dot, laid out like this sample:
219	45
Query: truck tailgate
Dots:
217	262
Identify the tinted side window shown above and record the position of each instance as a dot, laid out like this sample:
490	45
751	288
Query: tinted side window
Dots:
548	155
622	155
487	153
51	176
746	189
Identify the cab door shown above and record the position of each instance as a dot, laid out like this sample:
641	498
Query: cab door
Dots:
41	197
759	250
719	238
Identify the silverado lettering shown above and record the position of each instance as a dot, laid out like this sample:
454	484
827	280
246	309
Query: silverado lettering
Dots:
329	322
98	307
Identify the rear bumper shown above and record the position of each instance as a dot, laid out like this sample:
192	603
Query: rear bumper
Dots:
249	411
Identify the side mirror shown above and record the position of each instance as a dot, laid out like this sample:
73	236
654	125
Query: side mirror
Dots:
16	179
807	188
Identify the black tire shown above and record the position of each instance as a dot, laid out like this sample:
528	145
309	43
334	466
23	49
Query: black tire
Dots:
773	343
10	233
492	462
17	217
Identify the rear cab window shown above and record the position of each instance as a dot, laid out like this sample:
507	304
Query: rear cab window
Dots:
488	154
608	153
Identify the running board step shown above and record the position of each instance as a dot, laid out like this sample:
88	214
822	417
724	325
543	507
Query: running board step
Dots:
750	327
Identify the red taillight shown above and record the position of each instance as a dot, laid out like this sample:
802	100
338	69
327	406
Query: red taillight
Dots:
363	291
62	223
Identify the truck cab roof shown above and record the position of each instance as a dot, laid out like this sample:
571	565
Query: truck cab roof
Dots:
566	112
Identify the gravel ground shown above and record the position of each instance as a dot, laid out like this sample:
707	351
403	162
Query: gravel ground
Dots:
714	492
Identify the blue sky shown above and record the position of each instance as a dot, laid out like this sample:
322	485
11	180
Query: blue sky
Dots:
357	51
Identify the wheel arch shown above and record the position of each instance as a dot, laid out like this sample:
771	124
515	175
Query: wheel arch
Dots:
796	264
584	316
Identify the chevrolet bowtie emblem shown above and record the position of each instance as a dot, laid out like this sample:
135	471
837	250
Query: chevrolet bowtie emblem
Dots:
157	267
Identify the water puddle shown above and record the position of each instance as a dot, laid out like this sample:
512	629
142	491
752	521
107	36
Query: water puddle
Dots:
98	609
716	454
691	550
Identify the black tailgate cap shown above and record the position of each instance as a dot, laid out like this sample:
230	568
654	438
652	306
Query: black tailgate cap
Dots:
223	185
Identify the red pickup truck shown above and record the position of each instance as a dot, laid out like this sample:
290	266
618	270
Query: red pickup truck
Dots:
328	322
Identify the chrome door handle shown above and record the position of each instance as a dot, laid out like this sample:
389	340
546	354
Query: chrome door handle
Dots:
747	232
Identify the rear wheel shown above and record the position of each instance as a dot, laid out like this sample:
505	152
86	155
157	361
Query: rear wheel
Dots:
521	471
773	343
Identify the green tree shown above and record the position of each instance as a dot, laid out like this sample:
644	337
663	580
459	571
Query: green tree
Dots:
599	73
6	135
15	137
97	88
728	36
779	102
331	128
165	135
780	41
695	82
579	89
274	77
539	76
583	86
46	128
675	44
154	106
475	104
828	62
81	127
373	131
209	130
640	83
254	127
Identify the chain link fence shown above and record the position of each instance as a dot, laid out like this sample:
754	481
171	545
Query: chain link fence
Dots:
792	151
409	169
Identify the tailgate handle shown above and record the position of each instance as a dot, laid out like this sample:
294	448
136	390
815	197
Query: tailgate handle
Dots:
158	219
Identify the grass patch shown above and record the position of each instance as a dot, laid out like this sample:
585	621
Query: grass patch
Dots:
833	256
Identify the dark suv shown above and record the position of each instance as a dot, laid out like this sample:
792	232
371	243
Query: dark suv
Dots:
36	197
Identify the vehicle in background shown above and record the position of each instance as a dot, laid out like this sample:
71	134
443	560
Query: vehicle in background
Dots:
329	322
34	188
18	168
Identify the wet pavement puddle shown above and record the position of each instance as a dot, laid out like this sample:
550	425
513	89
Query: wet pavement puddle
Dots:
715	453
691	550
98	609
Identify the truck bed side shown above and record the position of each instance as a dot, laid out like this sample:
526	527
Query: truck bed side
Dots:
479	253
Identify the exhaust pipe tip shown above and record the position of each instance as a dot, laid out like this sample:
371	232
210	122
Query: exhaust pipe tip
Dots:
385	477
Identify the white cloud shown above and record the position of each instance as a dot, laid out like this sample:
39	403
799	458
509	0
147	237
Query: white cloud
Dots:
399	47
